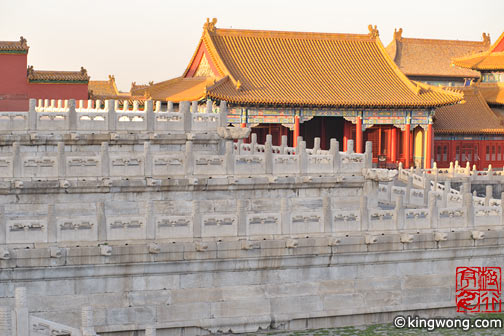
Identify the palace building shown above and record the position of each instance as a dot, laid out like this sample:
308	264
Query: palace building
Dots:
471	131
19	83
342	86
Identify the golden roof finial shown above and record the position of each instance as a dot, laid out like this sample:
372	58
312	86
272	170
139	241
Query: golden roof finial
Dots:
373	31
397	34
486	39
210	25
111	77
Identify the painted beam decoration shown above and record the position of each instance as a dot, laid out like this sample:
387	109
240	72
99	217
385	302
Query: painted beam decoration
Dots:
284	116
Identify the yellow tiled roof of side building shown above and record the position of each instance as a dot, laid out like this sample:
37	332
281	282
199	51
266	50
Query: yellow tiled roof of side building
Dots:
491	59
432	57
103	88
315	69
470	117
179	89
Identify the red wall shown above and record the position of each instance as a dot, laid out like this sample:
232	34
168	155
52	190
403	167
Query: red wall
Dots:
13	84
58	91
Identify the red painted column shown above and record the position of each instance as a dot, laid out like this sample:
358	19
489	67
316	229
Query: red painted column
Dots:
393	145
296	131
358	135
345	135
406	143
428	150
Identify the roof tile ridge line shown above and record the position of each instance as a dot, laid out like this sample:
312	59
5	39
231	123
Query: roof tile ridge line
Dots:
289	32
457	60
216	57
496	43
418	39
217	84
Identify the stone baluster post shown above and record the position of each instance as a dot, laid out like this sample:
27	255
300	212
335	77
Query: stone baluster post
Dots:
194	106
446	192
105	159
169	106
285	214
149	115
239	146
488	194
268	154
408	189
298	141
427	187
468	206
399	214
229	158
209	106
189	159
327	213
112	107
61	160
283	144
466	185
186	114
316	145
147	159
32	115
350	147
253	143
72	116
433	210
368	155
17	160
335	154
364	212
21	312
223	112
303	157
6	321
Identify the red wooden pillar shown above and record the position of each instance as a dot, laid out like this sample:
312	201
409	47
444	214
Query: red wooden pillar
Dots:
358	135
428	150
296	131
393	145
406	144
345	135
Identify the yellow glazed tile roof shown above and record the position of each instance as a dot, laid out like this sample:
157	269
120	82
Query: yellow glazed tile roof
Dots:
315	69
178	89
492	92
470	117
492	59
101	89
433	58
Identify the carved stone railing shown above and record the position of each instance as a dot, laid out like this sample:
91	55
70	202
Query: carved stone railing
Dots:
97	116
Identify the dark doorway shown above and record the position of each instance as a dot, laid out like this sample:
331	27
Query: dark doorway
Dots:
326	128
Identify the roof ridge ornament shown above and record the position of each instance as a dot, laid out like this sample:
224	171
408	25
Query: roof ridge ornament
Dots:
83	70
486	39
210	25
397	34
373	31
22	40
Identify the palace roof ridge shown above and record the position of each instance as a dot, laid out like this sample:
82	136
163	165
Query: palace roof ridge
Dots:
57	75
20	46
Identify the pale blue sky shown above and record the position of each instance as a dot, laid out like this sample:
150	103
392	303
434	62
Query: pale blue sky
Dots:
153	40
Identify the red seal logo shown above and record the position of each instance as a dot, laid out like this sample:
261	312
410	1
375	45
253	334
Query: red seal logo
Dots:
478	289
